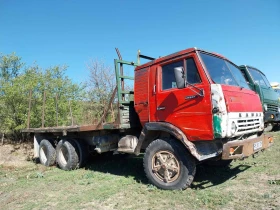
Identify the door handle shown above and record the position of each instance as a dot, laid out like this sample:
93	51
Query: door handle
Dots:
161	108
190	97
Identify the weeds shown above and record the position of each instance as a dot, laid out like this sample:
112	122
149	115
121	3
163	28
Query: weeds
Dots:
276	182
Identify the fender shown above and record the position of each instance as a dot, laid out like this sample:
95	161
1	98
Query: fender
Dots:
171	129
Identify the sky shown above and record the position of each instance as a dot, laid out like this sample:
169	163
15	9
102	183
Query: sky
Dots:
71	32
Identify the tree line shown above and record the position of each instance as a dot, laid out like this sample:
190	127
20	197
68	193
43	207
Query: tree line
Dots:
35	97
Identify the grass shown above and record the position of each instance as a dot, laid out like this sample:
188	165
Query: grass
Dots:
119	182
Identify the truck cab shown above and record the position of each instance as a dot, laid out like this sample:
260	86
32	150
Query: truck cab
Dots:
215	101
258	82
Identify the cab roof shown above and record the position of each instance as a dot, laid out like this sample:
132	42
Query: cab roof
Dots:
252	67
177	54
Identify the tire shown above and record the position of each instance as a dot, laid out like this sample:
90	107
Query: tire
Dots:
268	127
168	165
47	153
82	152
219	163
67	155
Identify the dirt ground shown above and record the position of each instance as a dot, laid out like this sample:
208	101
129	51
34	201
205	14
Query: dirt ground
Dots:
17	155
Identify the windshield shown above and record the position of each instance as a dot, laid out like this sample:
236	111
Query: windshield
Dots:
259	78
223	72
238	75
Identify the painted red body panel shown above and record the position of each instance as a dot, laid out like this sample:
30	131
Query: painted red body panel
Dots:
141	96
193	116
241	100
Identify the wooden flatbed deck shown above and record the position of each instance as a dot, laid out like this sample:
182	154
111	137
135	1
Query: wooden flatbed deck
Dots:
74	128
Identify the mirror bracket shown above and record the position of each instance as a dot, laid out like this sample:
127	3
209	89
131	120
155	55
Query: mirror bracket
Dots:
182	83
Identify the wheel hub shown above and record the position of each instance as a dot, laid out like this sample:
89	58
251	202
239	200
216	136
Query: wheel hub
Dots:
165	166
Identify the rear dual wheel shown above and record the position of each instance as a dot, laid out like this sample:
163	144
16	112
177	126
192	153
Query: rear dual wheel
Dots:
67	157
71	154
47	153
168	165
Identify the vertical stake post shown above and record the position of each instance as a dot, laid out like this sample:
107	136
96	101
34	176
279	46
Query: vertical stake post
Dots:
43	111
71	113
29	109
56	107
121	73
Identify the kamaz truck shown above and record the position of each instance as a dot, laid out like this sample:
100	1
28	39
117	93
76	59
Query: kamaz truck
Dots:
258	82
186	108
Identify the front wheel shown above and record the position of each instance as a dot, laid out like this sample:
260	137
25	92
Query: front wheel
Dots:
168	165
268	127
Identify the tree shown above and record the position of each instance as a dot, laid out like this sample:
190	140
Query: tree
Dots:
61	95
100	86
10	66
16	82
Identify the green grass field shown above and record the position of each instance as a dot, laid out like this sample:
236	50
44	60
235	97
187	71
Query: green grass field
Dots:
119	182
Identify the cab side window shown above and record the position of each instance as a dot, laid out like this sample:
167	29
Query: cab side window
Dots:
192	72
168	77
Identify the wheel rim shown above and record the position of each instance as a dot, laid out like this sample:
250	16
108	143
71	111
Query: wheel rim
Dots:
43	155
165	166
63	154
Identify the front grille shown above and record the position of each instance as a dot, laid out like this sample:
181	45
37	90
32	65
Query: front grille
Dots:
272	108
248	124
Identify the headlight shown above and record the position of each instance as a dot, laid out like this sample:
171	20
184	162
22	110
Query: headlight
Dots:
233	127
265	107
279	109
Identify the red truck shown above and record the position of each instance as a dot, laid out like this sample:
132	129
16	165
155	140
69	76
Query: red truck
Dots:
186	108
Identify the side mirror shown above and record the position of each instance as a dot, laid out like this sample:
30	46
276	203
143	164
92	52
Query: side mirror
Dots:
180	77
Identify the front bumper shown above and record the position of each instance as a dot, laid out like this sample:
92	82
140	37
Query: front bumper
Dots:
239	149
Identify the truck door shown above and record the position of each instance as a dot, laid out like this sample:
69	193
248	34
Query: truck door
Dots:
184	108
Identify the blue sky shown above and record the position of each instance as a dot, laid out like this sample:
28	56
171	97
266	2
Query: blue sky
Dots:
72	32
